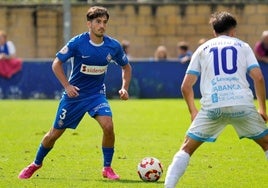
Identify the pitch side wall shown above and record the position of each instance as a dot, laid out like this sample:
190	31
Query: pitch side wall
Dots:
37	30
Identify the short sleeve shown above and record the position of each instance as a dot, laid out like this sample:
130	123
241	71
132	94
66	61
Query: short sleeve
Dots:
121	57
67	51
194	65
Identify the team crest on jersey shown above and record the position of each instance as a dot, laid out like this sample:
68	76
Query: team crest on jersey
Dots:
64	50
109	58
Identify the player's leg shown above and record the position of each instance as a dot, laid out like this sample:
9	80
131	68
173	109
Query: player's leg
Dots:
108	140
46	145
106	124
206	127
263	142
252	126
99	109
68	116
180	162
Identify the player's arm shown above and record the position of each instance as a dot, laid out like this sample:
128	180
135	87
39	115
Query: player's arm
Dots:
188	93
260	90
58	70
126	77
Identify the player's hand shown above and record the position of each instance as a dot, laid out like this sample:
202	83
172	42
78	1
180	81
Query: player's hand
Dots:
72	91
263	115
2	56
194	114
123	94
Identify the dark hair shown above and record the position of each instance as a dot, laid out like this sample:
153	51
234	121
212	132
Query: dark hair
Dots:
185	48
222	22
183	45
95	12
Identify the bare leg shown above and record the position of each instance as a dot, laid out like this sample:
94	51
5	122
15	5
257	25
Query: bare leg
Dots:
51	136
190	145
263	143
46	145
108	140
106	124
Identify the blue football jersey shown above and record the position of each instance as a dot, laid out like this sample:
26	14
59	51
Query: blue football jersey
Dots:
90	62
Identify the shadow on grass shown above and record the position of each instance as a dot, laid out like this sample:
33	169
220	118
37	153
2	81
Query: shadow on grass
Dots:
60	179
123	181
126	181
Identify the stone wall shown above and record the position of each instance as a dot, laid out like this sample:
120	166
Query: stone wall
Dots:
37	30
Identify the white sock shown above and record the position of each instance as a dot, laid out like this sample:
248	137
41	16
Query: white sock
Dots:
177	168
266	153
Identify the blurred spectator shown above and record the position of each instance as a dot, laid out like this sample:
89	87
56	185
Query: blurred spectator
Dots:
126	45
160	53
9	64
261	48
184	54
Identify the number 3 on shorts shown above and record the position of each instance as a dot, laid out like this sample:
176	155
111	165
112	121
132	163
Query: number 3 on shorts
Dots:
63	114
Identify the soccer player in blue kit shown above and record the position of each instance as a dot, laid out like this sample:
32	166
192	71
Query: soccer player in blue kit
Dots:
85	90
222	64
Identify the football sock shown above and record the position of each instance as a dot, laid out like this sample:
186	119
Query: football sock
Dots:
41	153
177	168
266	153
107	156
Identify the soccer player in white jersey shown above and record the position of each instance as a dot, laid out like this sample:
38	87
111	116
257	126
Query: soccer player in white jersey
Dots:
222	64
91	51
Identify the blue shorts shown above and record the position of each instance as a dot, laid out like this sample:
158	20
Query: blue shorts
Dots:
71	111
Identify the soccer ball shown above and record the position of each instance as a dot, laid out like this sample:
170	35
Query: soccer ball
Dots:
150	169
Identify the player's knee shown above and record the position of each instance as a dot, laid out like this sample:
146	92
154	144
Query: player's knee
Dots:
108	129
107	125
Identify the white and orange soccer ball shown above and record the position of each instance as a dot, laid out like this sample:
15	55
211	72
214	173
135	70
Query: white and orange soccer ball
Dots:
150	169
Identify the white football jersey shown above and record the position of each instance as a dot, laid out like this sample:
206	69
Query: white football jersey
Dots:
223	63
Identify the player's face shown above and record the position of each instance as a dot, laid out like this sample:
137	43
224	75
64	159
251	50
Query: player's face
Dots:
98	26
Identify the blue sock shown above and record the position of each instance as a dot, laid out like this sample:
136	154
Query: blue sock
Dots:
41	153
107	156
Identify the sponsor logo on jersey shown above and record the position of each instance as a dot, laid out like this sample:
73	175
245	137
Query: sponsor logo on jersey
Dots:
93	70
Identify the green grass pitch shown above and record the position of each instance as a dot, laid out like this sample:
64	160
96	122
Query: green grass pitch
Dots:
143	128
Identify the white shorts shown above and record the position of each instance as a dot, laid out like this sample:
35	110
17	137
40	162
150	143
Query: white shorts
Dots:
208	124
